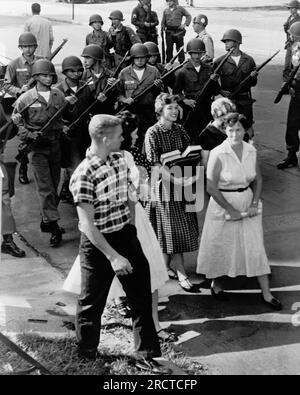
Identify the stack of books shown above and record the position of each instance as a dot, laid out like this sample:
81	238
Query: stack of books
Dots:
189	157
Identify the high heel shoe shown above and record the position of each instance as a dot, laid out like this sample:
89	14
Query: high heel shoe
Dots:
220	296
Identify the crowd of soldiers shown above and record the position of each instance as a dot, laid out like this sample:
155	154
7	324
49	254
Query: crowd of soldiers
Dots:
124	70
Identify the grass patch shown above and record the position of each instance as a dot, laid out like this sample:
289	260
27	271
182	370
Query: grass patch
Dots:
59	356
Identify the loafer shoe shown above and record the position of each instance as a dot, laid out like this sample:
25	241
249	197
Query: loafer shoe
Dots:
150	365
187	286
274	304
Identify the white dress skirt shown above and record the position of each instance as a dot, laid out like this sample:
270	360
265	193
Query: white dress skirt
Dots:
232	248
150	246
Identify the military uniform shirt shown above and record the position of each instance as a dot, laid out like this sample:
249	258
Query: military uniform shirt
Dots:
18	73
132	86
208	42
172	19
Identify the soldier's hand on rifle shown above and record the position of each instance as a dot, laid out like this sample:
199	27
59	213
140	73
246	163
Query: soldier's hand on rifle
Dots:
159	83
214	77
128	100
168	67
190	102
71	99
65	130
292	92
111	81
33	135
16	118
24	89
254	74
101	97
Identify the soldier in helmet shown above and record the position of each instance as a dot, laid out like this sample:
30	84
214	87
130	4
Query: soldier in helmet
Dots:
46	154
188	84
145	21
99	37
95	68
121	37
175	30
154	60
293	118
18	74
73	148
134	79
199	25
293	7
237	67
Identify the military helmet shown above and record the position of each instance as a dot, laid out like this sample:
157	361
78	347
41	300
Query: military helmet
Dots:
195	46
27	39
293	4
201	19
152	48
232	35
95	18
93	51
71	62
139	50
116	15
295	29
44	66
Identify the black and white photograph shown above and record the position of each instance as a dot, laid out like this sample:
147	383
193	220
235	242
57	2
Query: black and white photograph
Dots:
150	181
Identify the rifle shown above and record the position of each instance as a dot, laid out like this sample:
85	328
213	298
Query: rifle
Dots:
163	47
27	147
246	80
10	122
149	88
285	87
116	72
206	85
32	81
172	61
106	90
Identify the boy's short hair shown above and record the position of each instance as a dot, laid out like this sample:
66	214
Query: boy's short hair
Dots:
35	8
102	124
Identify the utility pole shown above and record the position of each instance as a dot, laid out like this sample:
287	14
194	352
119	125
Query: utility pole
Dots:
72	10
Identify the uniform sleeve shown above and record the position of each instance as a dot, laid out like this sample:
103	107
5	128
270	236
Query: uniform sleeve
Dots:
134	38
10	77
209	47
154	18
179	84
151	147
82	189
27	27
187	16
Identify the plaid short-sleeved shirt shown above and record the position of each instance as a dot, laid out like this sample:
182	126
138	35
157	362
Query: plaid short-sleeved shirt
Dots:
105	186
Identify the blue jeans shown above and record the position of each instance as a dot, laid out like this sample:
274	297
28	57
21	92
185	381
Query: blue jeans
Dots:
96	278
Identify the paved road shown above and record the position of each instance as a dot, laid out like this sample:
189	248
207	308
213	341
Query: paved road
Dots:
242	336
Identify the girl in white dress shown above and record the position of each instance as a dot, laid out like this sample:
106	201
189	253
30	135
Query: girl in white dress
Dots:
234	247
